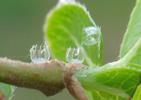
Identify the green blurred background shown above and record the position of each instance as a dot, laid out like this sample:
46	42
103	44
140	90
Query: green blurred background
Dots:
21	26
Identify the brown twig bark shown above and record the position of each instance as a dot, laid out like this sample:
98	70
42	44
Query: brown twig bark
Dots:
46	77
72	84
50	77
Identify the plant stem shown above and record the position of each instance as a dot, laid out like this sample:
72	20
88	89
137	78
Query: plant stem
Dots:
46	77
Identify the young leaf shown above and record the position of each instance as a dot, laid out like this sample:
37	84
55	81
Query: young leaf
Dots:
133	32
121	77
117	80
112	81
137	95
66	26
133	57
132	35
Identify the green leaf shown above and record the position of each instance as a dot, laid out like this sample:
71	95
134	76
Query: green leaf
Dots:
133	32
133	37
64	28
110	82
114	81
133	57
7	90
137	95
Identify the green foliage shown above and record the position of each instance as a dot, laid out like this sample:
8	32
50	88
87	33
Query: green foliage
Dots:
137	95
133	37
113	81
64	28
117	80
110	81
133	57
133	32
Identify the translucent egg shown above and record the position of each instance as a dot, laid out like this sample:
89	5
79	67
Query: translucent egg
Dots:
67	1
91	35
74	55
39	54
